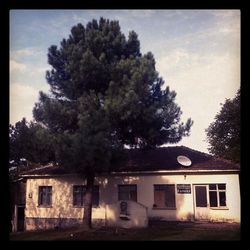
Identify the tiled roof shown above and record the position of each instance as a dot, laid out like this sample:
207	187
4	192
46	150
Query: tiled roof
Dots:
46	170
163	158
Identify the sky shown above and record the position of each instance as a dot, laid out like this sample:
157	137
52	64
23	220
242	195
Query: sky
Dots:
197	53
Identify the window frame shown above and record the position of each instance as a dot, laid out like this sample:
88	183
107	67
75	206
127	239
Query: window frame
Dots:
47	195
129	194
163	188
96	191
217	190
79	192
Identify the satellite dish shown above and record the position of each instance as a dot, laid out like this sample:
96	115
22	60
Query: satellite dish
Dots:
184	160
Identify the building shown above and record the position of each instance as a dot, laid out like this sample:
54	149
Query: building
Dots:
171	183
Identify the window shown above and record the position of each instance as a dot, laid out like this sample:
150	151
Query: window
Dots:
45	195
95	197
127	192
164	196
79	193
217	195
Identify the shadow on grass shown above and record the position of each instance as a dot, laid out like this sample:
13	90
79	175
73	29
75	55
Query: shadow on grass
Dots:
164	232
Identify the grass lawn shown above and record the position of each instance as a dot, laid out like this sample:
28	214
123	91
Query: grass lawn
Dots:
163	231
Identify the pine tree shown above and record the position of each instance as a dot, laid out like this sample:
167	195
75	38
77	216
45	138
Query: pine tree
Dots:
103	94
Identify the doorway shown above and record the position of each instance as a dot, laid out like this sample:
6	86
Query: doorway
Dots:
201	209
20	218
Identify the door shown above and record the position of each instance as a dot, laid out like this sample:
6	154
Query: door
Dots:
20	218
201	202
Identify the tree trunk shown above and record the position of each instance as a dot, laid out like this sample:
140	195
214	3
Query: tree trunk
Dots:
88	202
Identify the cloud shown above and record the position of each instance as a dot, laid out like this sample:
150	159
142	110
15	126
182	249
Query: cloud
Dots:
79	18
18	54
22	100
38	71
140	13
205	79
32	74
27	65
176	59
17	67
202	82
225	14
205	32
227	23
21	91
24	52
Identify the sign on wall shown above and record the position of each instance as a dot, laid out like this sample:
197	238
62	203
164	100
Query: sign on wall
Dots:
183	188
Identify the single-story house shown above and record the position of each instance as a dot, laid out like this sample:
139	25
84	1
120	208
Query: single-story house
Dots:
166	183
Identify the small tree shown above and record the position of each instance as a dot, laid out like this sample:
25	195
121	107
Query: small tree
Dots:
30	141
224	133
104	94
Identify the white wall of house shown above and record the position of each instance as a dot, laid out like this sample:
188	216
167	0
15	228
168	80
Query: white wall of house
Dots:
62	196
137	215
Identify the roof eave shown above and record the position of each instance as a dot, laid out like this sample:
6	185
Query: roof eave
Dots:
183	171
186	171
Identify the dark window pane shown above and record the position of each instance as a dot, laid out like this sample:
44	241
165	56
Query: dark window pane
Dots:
74	199
159	198
78	199
122	193
124	188
170	196
132	188
95	198
213	199
123	196
40	199
127	192
83	192
212	187
222	186
78	193
49	193
133	195
159	187
44	196
201	196
48	199
222	197
164	195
